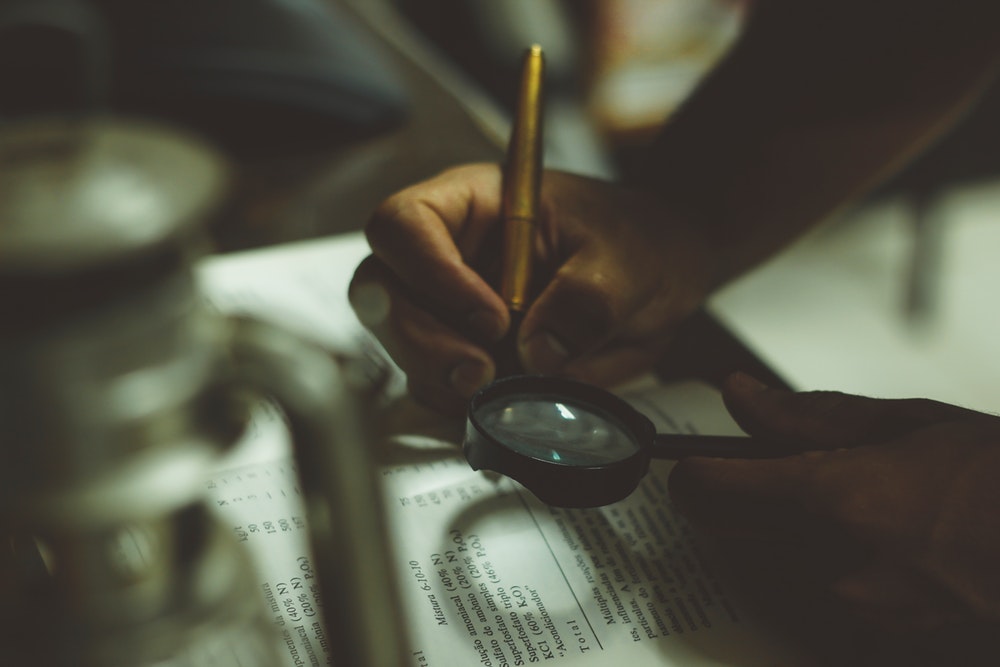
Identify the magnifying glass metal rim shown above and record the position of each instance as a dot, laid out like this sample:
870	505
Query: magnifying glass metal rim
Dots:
554	483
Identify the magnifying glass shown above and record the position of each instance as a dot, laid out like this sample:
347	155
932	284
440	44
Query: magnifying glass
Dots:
576	445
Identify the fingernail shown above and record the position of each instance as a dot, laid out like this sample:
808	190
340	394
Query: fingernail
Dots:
469	376
370	303
746	383
487	324
544	353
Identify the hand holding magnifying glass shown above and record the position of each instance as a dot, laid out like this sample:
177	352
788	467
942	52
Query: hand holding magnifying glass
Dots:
576	445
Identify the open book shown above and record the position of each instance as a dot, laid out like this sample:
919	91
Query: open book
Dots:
488	574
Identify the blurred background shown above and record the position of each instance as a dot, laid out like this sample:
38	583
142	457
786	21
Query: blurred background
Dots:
324	107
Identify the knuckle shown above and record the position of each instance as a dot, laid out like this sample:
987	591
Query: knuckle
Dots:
594	303
823	403
828	489
690	481
852	507
385	219
369	270
827	416
925	409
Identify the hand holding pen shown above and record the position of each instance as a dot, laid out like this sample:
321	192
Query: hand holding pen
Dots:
613	271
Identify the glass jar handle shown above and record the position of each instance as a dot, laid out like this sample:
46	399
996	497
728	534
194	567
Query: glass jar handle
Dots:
344	507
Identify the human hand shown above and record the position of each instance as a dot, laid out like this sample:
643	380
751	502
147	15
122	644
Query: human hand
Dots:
615	272
897	502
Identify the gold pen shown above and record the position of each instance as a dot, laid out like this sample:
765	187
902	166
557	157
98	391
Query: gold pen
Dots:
522	175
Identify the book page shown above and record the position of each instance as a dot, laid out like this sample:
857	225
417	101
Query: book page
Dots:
488	574
492	576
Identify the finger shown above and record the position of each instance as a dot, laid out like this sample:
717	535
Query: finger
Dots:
431	353
744	498
888	597
615	363
428	236
578	311
482	325
828	419
883	494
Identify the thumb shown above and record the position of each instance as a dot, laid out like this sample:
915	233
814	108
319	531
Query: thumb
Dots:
828	419
576	313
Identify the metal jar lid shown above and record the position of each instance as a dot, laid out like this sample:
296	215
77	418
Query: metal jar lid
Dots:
93	210
80	193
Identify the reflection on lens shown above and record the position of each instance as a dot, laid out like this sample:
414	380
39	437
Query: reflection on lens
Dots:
555	429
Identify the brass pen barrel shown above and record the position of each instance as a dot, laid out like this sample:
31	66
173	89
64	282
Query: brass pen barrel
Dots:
521	183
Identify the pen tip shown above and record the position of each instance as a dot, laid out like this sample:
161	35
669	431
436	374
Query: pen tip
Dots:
535	50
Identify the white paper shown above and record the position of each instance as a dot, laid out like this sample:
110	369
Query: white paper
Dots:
488	575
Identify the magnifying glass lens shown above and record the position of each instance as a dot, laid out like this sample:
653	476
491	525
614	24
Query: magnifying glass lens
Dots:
556	429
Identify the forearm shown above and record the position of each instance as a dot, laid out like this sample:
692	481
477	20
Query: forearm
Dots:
814	105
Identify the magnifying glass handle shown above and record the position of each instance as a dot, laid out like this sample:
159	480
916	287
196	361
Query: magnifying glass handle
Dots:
675	446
